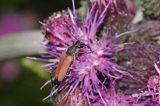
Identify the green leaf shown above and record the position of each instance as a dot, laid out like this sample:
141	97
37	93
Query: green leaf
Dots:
35	67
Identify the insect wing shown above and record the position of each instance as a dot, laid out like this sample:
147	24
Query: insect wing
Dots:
63	56
64	67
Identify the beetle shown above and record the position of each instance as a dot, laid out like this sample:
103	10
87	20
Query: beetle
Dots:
66	60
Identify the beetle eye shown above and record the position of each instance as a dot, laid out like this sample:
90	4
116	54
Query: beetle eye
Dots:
81	45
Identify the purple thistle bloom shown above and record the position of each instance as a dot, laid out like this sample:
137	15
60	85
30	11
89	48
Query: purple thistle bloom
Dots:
138	60
142	61
76	98
151	95
94	60
120	16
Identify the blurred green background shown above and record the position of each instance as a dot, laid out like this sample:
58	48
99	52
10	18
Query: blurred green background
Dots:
21	78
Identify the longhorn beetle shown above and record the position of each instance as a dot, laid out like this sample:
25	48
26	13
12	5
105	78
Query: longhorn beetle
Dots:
66	60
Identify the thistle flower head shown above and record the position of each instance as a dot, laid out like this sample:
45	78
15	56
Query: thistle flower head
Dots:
150	95
154	84
153	81
94	59
138	60
119	16
142	61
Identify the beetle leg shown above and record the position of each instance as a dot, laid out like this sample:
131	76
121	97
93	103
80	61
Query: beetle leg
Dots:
51	76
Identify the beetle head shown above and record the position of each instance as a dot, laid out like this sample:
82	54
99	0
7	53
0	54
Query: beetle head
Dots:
79	44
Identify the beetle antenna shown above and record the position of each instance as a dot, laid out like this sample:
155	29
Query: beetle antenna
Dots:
90	49
75	37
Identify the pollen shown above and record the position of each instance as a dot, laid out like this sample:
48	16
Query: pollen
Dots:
96	63
100	52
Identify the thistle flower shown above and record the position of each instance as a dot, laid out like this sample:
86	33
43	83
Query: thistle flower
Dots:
131	7
94	60
154	83
120	16
139	61
76	98
150	95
